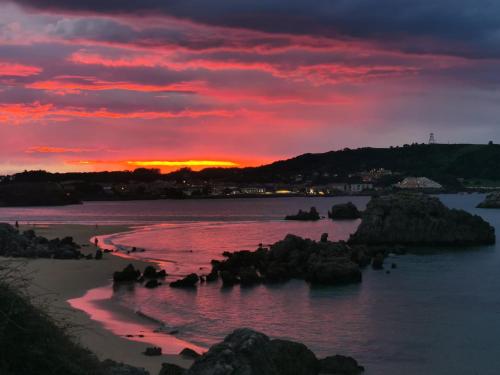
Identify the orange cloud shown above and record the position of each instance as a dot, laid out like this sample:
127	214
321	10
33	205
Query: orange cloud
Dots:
18	70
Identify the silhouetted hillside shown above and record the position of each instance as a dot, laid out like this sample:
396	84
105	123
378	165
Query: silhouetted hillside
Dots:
439	161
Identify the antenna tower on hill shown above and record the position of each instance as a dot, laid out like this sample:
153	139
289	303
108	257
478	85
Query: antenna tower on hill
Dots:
432	140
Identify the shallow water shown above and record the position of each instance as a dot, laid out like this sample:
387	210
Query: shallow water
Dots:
437	313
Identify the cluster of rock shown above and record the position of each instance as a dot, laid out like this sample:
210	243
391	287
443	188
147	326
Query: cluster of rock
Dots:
344	211
322	262
492	200
252	353
417	219
27	244
312	215
132	274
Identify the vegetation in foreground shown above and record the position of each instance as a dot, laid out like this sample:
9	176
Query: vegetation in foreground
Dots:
33	344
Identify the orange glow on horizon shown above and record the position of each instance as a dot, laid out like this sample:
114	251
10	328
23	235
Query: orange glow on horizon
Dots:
163	165
186	163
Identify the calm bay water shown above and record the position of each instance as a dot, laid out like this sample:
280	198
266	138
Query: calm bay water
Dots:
437	313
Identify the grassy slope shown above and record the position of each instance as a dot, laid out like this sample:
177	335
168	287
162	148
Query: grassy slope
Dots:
32	344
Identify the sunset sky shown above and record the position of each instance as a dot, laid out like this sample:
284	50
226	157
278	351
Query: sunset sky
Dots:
109	84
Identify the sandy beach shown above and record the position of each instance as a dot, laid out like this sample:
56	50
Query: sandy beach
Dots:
55	282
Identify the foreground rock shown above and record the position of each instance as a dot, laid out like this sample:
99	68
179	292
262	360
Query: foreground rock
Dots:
339	364
189	353
247	352
321	262
312	215
344	211
492	200
29	245
417	219
171	369
114	368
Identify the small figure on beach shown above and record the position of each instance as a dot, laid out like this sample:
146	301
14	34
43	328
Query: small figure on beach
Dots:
17	224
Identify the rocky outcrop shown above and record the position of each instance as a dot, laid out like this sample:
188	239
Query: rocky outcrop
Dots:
132	274
171	369
128	274
312	215
153	351
417	219
492	200
247	352
340	365
29	245
189	353
344	211
151	272
321	262
110	367
189	281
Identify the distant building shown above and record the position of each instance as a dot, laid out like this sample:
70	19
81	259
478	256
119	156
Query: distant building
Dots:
253	190
418	183
358	188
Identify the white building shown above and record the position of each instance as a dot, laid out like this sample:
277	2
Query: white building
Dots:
418	183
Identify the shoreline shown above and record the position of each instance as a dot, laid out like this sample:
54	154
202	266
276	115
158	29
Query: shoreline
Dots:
75	292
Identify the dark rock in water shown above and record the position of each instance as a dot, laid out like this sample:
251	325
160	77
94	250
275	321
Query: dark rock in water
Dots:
252	353
324	237
344	211
378	262
492	200
98	254
161	274
340	365
114	368
293	358
171	369
312	215
189	353
152	351
338	271
322	262
153	283
212	276
394	265
128	274
248	276
417	219
188	282
229	278
150	272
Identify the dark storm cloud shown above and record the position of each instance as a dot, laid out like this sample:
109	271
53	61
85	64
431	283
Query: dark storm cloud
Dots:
459	27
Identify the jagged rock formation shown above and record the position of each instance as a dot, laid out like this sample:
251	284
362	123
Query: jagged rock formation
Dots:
294	257
312	215
492	200
247	352
417	219
344	211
